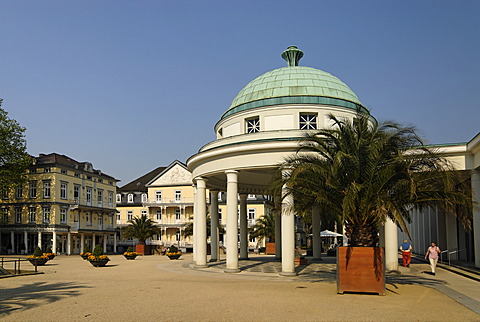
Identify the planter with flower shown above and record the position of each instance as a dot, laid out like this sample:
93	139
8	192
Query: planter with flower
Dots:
51	255
86	253
98	259
38	258
173	252
130	254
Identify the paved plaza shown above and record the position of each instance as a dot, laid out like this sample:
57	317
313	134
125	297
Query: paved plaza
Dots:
156	288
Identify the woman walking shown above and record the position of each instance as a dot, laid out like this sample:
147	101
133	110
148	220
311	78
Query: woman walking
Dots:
432	254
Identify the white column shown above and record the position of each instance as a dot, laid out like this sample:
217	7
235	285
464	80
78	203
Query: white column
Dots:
39	243
114	243
278	227
195	217
344	238
82	242
391	245
54	242
232	222
288	236
201	254
93	242
25	241
243	227
316	240
12	241
105	243
214	226
69	243
476	215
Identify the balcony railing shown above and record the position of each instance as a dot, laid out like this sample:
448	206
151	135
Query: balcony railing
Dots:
83	202
168	201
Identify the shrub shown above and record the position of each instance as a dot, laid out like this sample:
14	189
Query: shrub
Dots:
98	251
38	252
129	249
49	250
173	249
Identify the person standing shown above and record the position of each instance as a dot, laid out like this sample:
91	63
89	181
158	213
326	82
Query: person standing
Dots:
432	254
406	249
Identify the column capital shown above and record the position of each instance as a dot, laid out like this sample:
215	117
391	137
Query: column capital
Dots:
232	176
200	182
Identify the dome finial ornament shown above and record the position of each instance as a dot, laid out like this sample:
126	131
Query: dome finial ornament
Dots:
292	55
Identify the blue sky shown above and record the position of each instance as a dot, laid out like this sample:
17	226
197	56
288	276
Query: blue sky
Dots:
133	85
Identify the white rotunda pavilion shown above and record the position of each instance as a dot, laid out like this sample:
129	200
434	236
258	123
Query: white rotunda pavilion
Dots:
257	132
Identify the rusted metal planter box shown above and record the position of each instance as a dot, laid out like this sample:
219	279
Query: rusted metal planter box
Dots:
361	269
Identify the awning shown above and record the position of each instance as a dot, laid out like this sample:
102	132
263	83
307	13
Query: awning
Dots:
328	233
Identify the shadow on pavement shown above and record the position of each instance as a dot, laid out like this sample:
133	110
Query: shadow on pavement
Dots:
29	296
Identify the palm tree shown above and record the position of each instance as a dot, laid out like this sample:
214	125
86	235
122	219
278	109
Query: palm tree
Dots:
141	228
264	228
364	172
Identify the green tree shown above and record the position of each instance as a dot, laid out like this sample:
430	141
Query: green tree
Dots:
141	228
363	172
14	160
264	228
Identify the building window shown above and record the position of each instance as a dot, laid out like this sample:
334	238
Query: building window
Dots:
100	197
46	170
220	196
178	195
251	213
110	198
144	197
220	214
5	193
18	215
130	198
63	172
177	236
19	192
158	196
5	215
89	196
77	175
158	214
252	197
100	180
144	212
46	189
178	214
63	215
46	215
63	190
119	197
88	218
32	189
253	125
308	121
76	193
129	215
32	214
118	219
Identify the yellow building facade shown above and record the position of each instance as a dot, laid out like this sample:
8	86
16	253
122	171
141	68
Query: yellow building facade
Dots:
65	204
166	195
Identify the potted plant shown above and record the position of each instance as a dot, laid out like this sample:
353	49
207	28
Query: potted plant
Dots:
86	253
174	252
264	229
98	259
141	228
49	253
38	258
130	254
363	172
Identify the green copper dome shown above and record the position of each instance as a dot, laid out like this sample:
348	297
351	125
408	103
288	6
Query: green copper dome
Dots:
294	85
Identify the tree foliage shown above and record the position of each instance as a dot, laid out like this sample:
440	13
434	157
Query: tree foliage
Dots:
141	228
264	227
363	172
14	159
